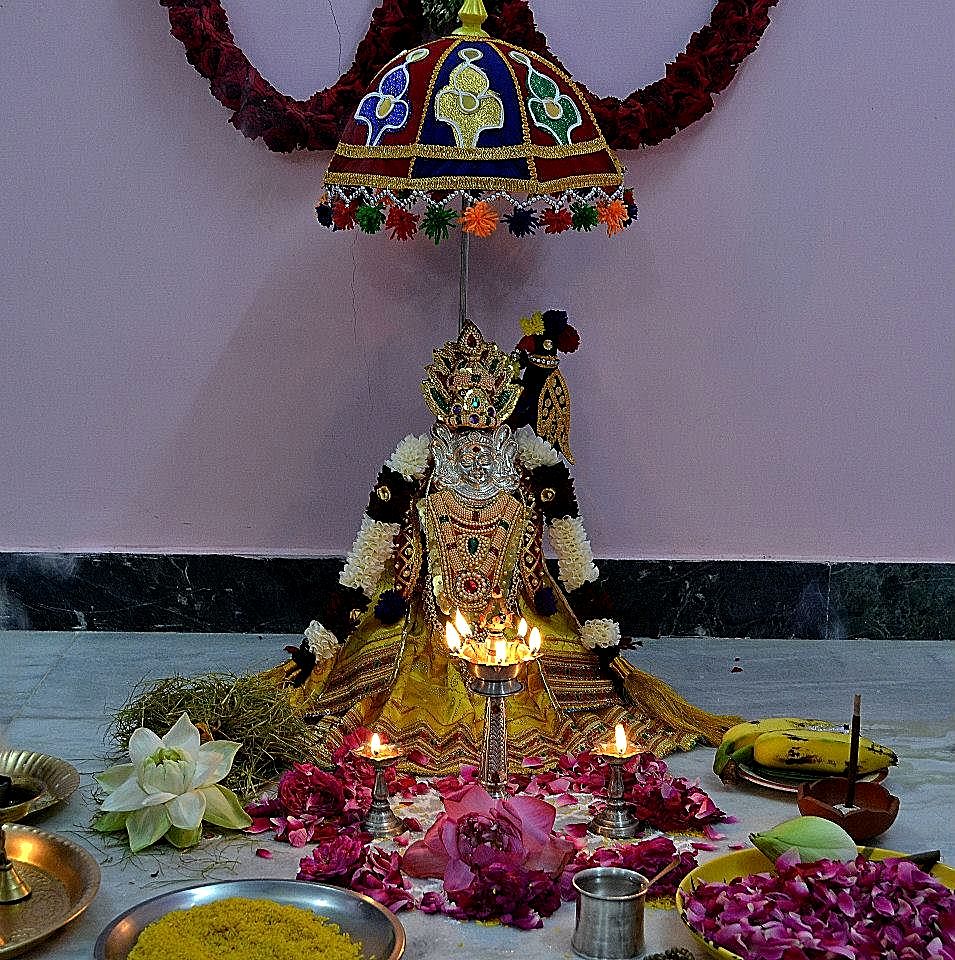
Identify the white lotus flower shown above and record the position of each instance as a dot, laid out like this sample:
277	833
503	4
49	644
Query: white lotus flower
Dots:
170	787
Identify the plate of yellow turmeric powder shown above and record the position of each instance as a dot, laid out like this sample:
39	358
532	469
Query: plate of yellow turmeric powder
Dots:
254	920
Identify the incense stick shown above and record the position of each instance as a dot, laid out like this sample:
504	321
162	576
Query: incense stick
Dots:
853	770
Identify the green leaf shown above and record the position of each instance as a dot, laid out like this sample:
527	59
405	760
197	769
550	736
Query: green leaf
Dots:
110	822
184	838
145	826
223	808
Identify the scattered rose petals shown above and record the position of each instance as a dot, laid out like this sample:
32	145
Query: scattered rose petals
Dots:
662	800
647	857
381	879
827	910
263	853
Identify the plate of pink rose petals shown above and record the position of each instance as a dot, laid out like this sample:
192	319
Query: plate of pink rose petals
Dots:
877	907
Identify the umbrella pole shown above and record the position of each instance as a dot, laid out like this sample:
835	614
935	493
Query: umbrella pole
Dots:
463	294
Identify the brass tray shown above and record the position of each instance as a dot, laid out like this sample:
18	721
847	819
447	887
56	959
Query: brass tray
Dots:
377	930
64	879
788	781
59	779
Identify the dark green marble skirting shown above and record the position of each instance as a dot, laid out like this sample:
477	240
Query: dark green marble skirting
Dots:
657	598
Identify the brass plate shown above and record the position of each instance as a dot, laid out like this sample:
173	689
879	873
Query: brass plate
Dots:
378	930
59	778
788	781
64	879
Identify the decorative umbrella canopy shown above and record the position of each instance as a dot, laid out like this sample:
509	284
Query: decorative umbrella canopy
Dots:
452	129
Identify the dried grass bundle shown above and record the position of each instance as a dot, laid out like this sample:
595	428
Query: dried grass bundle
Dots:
252	710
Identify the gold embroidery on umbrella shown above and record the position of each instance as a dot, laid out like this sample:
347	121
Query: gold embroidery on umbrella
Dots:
467	103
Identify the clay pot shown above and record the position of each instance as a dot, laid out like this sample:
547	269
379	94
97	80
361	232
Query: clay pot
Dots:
876	808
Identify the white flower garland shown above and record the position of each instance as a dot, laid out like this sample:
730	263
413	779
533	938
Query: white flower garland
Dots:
600	633
366	560
321	641
575	560
532	450
411	457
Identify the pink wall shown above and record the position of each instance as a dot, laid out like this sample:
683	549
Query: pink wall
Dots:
189	363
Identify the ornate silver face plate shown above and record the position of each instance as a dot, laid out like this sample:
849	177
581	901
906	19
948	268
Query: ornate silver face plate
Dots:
475	464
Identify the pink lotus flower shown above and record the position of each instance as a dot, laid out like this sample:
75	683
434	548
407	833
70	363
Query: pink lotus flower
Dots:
334	860
477	830
307	789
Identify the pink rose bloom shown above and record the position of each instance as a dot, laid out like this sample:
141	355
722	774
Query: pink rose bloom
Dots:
333	860
307	789
477	830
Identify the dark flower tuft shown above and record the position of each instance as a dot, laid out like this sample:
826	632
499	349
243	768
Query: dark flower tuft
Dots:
340	608
554	491
391	607
323	213
391	496
592	601
522	222
545	603
304	659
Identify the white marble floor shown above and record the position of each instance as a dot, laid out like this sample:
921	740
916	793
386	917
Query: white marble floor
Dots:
58	690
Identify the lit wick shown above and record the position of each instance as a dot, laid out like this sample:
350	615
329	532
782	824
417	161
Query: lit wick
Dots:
534	642
621	739
522	628
453	637
375	745
463	627
500	650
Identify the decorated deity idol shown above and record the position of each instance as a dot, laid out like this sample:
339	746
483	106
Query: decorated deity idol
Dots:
456	524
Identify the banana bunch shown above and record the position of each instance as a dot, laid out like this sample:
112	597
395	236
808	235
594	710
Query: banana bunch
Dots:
818	751
738	741
796	743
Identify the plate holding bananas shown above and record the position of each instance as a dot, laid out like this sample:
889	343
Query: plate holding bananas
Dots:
782	752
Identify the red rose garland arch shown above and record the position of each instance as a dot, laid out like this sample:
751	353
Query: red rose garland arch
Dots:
643	118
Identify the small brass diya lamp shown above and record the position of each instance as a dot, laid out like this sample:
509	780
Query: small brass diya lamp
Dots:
616	820
380	821
495	665
12	888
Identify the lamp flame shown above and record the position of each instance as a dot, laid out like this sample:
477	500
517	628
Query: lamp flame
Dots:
500	651
463	627
453	637
534	642
621	739
522	628
375	744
